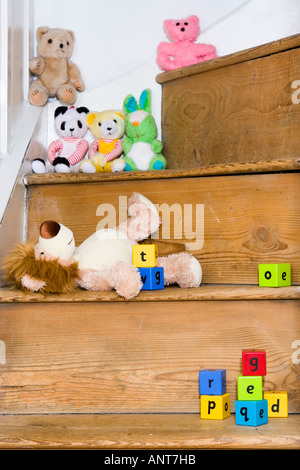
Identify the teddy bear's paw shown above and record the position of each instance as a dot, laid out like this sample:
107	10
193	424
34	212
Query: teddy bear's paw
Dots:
61	168
117	165
182	269
67	94
38	166
37	98
79	85
86	166
128	281
36	65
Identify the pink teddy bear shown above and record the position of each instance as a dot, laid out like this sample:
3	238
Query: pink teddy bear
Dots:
183	50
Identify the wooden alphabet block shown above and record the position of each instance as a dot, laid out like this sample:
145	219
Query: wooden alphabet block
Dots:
215	406
277	404
152	278
251	413
254	362
212	382
144	256
274	275
250	388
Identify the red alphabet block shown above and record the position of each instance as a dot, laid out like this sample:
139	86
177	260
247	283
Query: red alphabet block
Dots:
254	362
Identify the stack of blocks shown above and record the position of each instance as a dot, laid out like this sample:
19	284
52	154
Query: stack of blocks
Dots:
214	401
144	258
250	408
253	406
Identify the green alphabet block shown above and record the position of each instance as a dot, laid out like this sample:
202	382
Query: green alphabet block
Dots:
250	387
274	275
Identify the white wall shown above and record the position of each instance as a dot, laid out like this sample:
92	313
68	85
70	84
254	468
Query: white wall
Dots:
116	41
119	36
114	37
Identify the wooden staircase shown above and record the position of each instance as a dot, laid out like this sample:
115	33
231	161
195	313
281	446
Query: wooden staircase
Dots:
91	370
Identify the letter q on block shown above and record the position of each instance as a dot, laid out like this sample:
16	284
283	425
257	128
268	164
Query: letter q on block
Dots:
251	413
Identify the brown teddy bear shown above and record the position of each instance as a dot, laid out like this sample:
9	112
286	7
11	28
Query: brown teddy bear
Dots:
57	76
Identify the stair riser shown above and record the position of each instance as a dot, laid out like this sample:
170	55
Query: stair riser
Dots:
244	112
242	220
134	357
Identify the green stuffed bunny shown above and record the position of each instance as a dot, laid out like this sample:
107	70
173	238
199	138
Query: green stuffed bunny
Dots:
141	149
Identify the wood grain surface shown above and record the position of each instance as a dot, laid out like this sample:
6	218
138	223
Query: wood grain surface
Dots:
170	293
236	168
132	357
131	431
248	219
239	113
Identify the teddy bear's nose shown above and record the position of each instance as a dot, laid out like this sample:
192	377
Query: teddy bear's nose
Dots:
182	29
71	130
109	128
61	45
135	123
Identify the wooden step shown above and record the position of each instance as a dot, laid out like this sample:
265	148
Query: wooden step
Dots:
73	355
237	108
131	431
237	168
244	219
9	294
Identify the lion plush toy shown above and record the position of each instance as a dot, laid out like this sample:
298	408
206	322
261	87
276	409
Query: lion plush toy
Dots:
57	75
102	262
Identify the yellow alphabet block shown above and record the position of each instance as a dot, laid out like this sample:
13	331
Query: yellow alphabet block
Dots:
144	256
277	404
215	406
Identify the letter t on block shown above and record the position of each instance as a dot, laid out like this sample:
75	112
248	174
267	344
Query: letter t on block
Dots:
144	256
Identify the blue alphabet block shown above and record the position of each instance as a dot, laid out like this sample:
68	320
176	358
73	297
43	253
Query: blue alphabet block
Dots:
212	382
251	413
152	278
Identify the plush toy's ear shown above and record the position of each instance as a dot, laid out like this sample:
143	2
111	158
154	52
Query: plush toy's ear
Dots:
145	101
60	110
82	109
130	104
49	229
71	33
193	19
121	115
41	31
91	117
167	24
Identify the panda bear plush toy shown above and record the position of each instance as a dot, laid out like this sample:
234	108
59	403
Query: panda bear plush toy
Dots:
67	151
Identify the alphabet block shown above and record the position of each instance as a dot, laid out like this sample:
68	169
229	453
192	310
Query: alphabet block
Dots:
251	413
274	275
277	404
212	382
215	407
250	387
254	362
144	256
152	278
